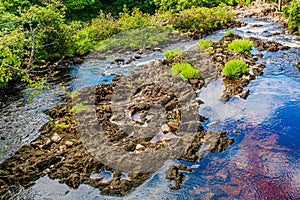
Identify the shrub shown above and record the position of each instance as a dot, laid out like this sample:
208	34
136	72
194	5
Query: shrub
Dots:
204	44
172	53
229	33
240	45
292	13
186	71
235	68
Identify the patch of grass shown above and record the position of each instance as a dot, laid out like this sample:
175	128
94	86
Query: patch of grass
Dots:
228	33
240	46
172	53
186	71
204	44
235	69
78	108
140	38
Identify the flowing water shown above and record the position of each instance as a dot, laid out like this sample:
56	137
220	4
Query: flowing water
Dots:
263	163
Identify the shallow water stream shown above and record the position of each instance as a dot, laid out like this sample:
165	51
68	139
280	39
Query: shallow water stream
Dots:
263	163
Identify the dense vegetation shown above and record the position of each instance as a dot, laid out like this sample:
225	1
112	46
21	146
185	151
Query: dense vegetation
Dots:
36	34
292	12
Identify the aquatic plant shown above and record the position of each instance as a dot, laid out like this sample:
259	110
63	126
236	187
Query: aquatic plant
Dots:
235	68
172	53
240	46
204	44
186	71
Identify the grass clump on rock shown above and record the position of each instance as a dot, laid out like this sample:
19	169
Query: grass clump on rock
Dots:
186	71
172	53
229	33
204	44
235	69
240	46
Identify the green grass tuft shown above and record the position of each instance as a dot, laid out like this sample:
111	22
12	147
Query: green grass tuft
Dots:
229	33
235	69
240	46
186	71
204	44
172	53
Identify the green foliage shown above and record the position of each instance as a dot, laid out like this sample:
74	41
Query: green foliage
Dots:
235	68
146	6
175	5
240	46
202	19
292	13
105	26
229	33
186	71
172	53
204	44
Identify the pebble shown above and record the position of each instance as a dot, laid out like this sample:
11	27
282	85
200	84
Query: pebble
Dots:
69	143
165	128
139	147
55	138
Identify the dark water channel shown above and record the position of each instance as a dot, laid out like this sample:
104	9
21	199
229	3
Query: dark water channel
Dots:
263	163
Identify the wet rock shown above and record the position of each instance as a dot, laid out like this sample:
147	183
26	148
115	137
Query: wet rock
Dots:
140	51
175	175
78	60
298	65
245	94
194	81
257	71
119	60
257	25
21	105
56	138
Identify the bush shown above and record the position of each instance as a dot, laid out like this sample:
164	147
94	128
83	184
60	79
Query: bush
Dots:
172	53
204	44
235	69
292	13
240	45
229	33
186	71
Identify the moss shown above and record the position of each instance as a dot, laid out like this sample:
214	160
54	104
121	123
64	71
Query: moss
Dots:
172	53
240	46
186	71
235	69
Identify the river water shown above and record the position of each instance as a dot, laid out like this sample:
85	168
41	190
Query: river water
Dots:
263	163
